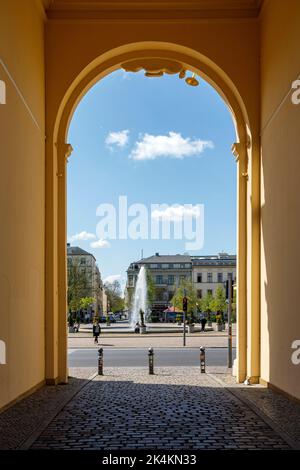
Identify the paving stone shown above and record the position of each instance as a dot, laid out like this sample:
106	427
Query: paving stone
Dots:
175	409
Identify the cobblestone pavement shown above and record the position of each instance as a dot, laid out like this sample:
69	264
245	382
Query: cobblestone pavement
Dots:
174	409
18	422
282	411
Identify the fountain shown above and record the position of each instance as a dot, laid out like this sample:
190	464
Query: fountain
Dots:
140	298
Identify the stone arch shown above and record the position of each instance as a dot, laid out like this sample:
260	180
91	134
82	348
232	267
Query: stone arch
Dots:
189	59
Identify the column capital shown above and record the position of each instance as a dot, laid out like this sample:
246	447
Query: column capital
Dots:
64	149
240	153
239	149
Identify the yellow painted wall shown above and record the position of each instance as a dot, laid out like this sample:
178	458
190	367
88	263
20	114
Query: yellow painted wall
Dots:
22	197
280	197
71	46
232	44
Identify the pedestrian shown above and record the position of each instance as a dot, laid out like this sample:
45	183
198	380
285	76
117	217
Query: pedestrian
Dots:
96	331
203	322
137	328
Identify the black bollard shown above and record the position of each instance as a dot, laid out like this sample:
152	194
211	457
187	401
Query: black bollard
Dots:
151	361
100	361
202	360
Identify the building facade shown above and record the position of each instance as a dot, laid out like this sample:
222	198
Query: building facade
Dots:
167	271
86	263
210	272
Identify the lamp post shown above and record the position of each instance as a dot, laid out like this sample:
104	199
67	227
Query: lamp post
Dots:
184	309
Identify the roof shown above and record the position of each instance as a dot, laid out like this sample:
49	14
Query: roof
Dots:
157	258
76	250
221	259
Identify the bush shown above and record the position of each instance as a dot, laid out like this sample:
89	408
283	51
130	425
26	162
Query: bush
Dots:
154	318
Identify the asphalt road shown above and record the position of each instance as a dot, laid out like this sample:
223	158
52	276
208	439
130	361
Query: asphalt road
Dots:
138	357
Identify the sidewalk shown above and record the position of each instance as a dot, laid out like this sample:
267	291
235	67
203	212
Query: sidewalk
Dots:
147	341
159	338
175	408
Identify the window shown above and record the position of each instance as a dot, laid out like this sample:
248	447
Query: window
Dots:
82	261
165	266
209	277
209	291
199	293
159	280
171	280
199	277
153	266
220	277
130	281
176	265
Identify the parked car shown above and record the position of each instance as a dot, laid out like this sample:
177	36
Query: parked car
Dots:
117	316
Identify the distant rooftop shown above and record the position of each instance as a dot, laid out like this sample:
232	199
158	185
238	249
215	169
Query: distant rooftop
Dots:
157	258
220	259
76	250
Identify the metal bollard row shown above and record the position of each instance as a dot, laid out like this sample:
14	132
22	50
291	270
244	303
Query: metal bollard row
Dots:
202	360
100	361
151	361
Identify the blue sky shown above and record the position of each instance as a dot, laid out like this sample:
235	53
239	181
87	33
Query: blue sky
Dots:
155	140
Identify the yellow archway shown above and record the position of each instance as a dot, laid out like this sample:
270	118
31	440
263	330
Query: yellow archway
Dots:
58	151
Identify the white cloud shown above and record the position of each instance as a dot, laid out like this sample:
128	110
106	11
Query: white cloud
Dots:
117	138
176	212
112	278
100	244
172	145
82	236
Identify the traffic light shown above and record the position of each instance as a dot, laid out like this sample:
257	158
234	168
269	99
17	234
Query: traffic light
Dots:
184	304
227	289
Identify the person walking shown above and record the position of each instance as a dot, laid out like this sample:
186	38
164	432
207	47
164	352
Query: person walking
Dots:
203	322
96	331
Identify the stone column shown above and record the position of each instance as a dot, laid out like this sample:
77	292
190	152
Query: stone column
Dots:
239	151
63	152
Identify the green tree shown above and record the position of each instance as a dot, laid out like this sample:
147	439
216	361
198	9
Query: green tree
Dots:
233	315
218	303
77	286
114	296
206	304
85	302
186	288
151	289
